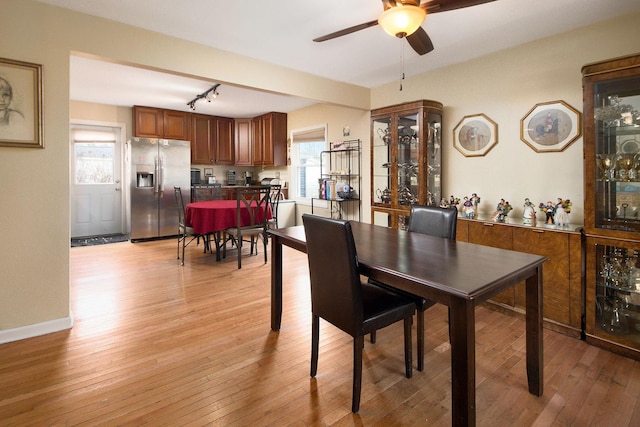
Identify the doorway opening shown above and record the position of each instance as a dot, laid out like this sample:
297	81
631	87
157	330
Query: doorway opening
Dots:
97	199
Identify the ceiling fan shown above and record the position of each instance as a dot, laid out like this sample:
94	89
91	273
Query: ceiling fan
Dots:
403	18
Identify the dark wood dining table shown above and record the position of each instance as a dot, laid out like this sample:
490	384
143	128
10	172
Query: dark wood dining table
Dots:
457	274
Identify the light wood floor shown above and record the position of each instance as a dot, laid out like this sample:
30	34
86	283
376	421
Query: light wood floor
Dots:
158	344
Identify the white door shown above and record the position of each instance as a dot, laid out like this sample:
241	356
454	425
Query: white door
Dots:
96	180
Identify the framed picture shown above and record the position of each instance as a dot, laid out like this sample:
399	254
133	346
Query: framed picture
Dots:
208	171
550	126
20	104
475	135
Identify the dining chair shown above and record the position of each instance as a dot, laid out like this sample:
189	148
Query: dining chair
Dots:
274	199
433	221
254	202
206	192
203	193
340	297
184	232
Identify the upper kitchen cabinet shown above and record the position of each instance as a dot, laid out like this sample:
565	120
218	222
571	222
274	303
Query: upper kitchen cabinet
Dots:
270	140
243	142
405	160
149	122
212	140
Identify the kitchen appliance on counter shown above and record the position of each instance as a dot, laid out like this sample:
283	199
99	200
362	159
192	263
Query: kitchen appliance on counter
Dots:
247	178
156	166
195	176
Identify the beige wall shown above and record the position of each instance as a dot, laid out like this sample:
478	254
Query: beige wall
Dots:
336	118
506	86
34	290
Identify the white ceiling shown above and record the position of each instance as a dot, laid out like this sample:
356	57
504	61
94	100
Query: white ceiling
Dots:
281	32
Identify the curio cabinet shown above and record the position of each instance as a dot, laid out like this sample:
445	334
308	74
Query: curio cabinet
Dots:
612	203
405	160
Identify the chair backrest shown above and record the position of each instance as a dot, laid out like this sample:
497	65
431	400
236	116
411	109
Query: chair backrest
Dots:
180	203
434	221
336	293
255	202
274	199
206	192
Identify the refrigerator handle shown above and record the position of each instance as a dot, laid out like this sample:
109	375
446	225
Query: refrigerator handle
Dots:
156	183
160	174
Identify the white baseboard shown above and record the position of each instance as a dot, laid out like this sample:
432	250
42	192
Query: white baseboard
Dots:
37	329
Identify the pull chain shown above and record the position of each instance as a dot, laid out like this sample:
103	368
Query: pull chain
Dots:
402	61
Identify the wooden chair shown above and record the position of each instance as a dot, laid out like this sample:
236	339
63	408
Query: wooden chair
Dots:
433	221
341	298
184	232
255	202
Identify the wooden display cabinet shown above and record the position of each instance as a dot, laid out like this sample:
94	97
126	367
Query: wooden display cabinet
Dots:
612	203
405	160
562	273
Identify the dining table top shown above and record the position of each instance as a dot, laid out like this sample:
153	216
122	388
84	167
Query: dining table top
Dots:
434	264
216	215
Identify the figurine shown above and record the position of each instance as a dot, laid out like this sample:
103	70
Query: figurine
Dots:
561	216
444	203
468	210
502	210
529	213
453	201
549	209
476	201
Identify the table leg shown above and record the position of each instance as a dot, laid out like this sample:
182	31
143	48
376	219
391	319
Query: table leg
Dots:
463	362
276	283
535	367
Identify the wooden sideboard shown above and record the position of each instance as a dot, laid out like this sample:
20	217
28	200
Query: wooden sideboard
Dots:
563	296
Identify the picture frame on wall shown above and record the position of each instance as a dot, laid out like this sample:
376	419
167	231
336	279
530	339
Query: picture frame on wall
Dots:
551	126
20	104
475	135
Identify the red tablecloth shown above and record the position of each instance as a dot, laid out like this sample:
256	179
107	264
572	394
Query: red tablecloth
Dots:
216	215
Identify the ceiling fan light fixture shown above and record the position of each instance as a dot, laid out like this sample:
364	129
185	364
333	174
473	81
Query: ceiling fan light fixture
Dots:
402	20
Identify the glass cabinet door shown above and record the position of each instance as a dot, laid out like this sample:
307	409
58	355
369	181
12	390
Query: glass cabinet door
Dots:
617	154
408	164
381	160
434	159
617	292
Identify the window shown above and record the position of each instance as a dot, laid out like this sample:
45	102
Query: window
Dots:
307	144
93	156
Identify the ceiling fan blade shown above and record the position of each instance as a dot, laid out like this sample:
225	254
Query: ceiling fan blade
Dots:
346	31
420	41
435	6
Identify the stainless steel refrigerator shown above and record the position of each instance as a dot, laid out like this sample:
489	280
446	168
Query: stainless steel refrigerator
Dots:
156	166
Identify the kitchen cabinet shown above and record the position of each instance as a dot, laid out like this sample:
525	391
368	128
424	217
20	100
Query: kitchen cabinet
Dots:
149	122
225	152
405	160
211	140
270	140
562	273
612	202
243	142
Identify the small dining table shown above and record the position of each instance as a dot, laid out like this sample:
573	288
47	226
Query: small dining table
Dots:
215	216
457	274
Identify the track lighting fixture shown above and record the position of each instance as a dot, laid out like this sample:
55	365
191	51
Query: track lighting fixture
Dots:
208	95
